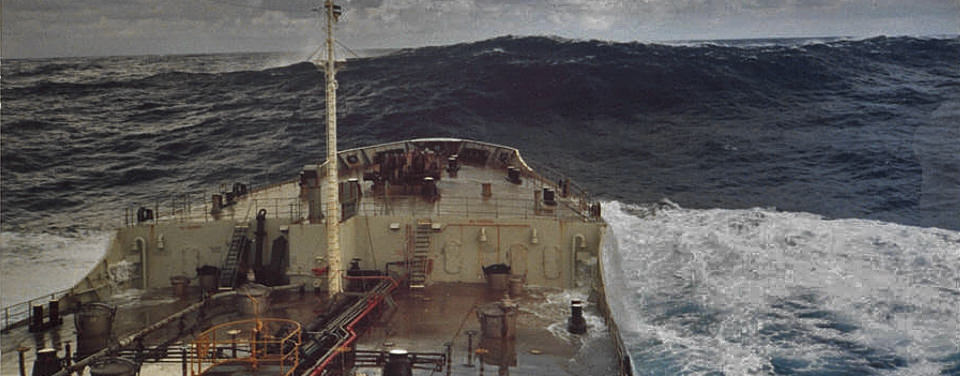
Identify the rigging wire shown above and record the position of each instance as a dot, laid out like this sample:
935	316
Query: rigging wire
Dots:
348	49
248	6
321	47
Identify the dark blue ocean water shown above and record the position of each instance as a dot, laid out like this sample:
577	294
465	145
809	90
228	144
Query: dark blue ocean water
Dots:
817	183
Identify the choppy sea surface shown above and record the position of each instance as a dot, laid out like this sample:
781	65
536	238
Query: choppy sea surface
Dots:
785	207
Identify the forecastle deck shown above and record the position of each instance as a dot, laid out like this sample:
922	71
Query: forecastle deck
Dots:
435	211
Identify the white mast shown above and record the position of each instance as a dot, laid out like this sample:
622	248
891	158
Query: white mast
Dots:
330	186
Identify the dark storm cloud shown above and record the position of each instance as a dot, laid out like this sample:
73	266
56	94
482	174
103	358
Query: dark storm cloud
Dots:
105	27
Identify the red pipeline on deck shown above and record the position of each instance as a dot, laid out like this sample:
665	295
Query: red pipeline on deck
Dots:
373	303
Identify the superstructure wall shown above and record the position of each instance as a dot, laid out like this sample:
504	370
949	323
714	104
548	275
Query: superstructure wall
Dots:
547	252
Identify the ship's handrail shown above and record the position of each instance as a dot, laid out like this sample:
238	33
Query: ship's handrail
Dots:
293	208
473	207
553	176
257	343
19	313
195	206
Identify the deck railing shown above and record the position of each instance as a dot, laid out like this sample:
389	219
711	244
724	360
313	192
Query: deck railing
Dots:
19	313
552	176
254	342
295	209
475	207
195	207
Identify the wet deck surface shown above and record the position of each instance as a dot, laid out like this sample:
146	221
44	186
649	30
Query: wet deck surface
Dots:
447	311
135	310
421	322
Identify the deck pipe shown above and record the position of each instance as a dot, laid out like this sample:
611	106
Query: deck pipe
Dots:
321	349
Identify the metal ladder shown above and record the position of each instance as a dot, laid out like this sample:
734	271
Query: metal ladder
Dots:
228	272
421	251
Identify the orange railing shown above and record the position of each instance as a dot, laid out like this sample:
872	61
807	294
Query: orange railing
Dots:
255	342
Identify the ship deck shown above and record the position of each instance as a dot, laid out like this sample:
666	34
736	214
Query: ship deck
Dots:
447	312
444	313
422	322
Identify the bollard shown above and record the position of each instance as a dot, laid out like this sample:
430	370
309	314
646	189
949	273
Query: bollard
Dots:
47	363
54	313
36	322
576	324
398	364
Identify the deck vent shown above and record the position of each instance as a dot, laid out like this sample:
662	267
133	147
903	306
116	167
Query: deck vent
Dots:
498	320
94	323
179	284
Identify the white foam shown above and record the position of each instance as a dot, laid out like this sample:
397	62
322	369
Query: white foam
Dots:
891	283
37	264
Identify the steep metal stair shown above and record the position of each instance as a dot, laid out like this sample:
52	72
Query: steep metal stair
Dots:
421	252
228	271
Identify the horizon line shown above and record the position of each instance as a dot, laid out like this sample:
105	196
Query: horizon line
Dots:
676	41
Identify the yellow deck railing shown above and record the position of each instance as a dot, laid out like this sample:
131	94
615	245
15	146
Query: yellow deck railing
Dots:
254	342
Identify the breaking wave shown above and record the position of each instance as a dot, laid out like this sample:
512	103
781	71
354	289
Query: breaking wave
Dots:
758	291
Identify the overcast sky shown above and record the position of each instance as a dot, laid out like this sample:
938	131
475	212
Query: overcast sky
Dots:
43	28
